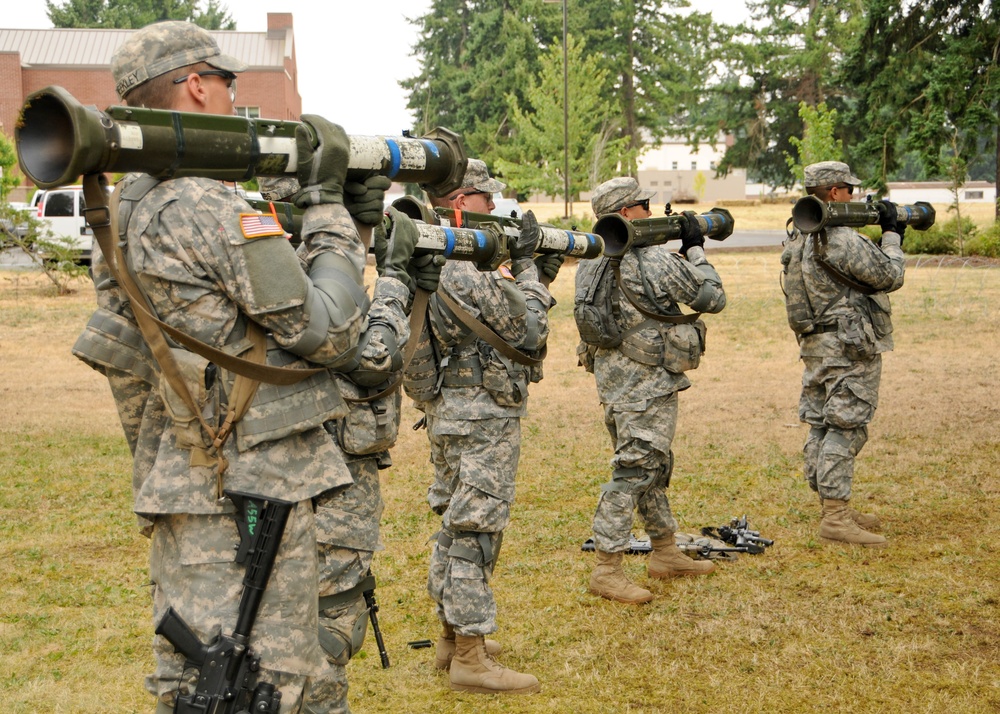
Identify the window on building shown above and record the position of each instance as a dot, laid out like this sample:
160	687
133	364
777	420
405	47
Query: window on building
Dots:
694	165
973	195
673	165
654	183
248	112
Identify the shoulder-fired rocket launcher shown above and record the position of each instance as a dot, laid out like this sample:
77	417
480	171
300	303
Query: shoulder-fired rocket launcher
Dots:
811	215
553	240
620	234
58	140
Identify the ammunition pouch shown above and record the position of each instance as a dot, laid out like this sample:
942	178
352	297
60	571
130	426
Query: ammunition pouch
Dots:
677	349
195	373
505	380
369	427
855	331
112	341
420	379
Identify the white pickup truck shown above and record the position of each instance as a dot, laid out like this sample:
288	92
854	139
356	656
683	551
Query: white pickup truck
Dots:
61	209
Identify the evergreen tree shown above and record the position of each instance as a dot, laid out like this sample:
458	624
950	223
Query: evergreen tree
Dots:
133	14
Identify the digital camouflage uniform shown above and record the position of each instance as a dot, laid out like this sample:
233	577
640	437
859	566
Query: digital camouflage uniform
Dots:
473	425
843	355
640	399
202	276
347	518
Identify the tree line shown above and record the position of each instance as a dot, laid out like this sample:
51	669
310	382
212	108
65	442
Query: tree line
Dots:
901	90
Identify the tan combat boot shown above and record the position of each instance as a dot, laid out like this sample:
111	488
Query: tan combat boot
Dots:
474	670
837	525
667	561
609	581
866	521
446	647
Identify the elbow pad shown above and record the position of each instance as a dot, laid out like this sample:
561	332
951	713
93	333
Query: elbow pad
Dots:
710	297
335	299
533	332
372	367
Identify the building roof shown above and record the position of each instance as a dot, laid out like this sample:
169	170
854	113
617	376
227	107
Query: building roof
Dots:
79	48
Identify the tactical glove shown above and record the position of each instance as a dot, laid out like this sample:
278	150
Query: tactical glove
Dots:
548	264
365	200
394	247
323	149
692	235
426	270
887	216
522	248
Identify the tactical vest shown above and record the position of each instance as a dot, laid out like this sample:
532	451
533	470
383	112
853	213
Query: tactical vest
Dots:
276	411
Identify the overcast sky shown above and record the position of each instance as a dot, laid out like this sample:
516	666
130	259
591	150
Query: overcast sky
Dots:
351	55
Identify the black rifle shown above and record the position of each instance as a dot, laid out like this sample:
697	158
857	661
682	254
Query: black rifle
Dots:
739	535
227	667
372	605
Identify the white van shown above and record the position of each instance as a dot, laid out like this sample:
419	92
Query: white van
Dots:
61	210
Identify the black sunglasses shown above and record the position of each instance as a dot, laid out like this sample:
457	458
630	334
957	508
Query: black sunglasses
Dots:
644	203
229	76
848	187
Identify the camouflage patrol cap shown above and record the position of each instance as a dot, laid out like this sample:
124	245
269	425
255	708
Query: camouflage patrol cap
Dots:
163	47
616	194
277	188
477	176
828	173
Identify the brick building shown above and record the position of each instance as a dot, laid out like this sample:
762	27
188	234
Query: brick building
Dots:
80	61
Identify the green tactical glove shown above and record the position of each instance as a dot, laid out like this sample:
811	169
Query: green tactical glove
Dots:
426	270
522	248
323	150
548	264
365	200
394	247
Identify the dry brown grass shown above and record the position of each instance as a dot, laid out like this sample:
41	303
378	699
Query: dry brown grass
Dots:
803	627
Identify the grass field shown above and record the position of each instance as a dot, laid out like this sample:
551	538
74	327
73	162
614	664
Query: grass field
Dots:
803	627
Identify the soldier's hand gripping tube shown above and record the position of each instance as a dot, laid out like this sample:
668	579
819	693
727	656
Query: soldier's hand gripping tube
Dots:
620	234
553	240
58	140
227	667
811	215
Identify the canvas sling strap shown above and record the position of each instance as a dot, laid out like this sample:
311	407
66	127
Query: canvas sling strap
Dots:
418	313
102	217
632	298
486	334
819	248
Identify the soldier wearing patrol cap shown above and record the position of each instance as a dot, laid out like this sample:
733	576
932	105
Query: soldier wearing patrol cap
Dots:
836	284
638	382
205	267
476	396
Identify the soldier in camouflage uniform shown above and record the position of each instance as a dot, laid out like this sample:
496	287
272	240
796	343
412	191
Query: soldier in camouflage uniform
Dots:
473	424
840	278
638	383
205	271
347	517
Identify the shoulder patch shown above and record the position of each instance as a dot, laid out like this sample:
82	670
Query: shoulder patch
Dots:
260	225
505	272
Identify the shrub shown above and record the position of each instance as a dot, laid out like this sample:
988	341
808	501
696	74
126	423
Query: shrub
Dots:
939	239
986	243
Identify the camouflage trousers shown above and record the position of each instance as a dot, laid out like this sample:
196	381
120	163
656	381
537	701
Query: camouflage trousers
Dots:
347	533
839	399
475	463
642	433
192	568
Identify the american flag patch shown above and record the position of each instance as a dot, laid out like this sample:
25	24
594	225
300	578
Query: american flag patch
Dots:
258	225
505	272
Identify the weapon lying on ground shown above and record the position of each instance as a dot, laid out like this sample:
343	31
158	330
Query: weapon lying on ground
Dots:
227	667
553	240
58	139
621	234
372	605
811	215
486	246
739	535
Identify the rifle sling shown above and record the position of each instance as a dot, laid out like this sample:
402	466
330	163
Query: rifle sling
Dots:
486	334
631	297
